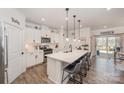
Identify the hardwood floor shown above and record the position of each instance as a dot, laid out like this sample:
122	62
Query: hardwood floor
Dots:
102	71
34	75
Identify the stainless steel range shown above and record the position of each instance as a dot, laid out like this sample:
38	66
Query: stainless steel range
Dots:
48	51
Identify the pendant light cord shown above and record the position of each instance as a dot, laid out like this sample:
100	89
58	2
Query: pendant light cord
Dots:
67	9
79	28
74	25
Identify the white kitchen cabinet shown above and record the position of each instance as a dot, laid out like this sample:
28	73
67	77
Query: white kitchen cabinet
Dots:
34	58
37	36
55	37
39	57
15	48
30	59
14	68
46	31
32	35
29	36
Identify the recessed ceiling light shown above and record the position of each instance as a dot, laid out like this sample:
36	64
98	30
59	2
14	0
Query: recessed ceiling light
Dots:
43	19
74	40
79	40
105	26
67	39
108	9
80	25
66	19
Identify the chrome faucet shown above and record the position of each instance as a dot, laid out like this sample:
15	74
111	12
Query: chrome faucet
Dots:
70	46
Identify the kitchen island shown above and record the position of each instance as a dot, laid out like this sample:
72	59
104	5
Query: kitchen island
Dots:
56	62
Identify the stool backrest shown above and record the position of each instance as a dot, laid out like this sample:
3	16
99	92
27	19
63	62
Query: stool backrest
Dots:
78	66
83	60
89	54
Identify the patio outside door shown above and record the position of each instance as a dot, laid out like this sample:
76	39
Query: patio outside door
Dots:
105	45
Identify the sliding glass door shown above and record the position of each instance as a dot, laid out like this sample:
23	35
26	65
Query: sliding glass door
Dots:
101	45
105	45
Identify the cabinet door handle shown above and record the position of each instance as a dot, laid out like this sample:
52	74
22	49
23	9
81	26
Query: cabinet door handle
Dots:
6	76
22	53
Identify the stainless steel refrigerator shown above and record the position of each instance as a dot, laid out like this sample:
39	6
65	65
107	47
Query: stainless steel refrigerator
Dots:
3	55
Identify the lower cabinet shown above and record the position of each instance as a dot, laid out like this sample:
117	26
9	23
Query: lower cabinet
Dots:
39	57
13	52
14	68
34	58
30	59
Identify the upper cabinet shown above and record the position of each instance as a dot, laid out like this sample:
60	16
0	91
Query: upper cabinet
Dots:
55	36
37	36
45	31
32	35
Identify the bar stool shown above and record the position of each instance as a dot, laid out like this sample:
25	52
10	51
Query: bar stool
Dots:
88	61
72	70
89	58
83	70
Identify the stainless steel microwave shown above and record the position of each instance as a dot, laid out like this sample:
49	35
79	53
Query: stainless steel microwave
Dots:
45	40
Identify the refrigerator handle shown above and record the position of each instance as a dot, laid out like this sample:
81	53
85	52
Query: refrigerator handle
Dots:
6	65
6	76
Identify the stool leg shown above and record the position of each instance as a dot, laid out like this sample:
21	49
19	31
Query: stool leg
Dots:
85	70
90	62
88	65
74	79
81	78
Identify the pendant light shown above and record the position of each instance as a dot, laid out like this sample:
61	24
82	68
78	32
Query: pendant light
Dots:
79	29
67	9
74	28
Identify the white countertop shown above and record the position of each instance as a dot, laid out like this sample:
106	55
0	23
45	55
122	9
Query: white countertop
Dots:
67	57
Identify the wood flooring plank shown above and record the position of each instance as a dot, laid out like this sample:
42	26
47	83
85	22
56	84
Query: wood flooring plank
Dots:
102	71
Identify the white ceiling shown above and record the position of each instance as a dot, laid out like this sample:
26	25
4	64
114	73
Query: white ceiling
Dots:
94	18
